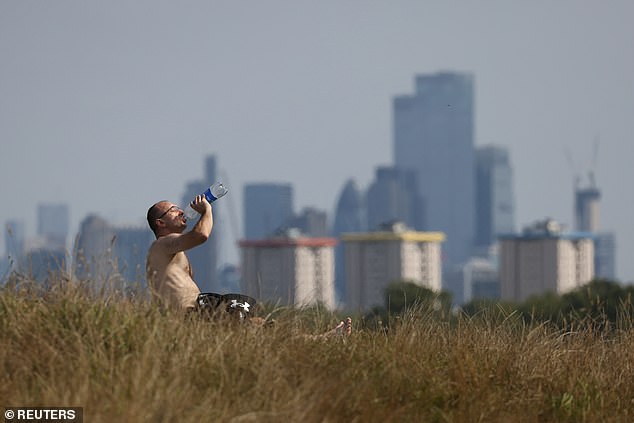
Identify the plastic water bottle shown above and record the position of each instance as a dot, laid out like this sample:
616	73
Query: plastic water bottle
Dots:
212	193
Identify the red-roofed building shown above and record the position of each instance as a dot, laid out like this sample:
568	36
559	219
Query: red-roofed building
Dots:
290	270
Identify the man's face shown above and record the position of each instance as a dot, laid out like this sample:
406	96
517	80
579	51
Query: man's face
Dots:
171	218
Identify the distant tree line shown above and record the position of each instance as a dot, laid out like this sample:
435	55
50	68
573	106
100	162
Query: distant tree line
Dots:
601	303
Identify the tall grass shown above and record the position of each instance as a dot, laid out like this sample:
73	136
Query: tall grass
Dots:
123	360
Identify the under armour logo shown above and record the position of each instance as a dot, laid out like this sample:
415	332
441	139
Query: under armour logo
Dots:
244	306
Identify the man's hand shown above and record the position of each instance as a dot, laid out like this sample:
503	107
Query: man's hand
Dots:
200	204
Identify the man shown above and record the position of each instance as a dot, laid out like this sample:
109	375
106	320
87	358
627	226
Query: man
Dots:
169	273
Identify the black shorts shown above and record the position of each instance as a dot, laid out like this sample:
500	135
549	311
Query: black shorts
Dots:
236	305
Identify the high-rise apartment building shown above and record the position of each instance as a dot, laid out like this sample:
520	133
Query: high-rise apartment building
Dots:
267	207
394	196
544	259
494	197
289	270
349	217
433	136
394	253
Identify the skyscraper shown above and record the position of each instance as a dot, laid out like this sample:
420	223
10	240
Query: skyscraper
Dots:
107	253
14	239
349	217
14	247
605	255
433	135
267	207
394	196
52	225
587	220
130	249
587	209
94	259
494	196
349	213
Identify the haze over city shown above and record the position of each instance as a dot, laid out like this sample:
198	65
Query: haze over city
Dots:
109	107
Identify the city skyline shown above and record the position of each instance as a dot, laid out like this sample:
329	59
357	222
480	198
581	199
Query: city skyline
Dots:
115	119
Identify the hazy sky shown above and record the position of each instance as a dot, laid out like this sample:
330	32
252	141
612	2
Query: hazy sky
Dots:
110	106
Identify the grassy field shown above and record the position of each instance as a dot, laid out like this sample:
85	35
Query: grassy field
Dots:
122	360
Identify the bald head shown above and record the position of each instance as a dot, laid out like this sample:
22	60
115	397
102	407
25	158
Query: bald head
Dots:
155	212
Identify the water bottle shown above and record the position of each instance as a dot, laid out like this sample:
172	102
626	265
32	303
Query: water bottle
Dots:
212	193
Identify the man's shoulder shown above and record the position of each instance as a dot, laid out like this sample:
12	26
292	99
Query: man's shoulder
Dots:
164	239
166	243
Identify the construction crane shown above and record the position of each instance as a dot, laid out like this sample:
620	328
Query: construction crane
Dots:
573	170
593	164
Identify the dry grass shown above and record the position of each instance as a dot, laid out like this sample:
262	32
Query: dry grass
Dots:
123	360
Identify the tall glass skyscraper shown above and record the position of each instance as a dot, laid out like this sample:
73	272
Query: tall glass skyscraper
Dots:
349	217
495	210
433	135
267	207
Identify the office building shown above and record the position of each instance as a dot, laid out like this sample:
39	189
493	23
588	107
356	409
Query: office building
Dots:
481	280
289	269
94	250
544	259
267	207
311	222
14	238
108	253
393	253
394	195
475	280
130	250
349	217
52	224
587	209
605	256
43	263
433	136
494	197
587	220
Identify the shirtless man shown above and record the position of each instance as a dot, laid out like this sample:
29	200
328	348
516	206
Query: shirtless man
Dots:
169	273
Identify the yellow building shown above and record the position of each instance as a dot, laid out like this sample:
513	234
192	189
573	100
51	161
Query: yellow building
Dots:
375	259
